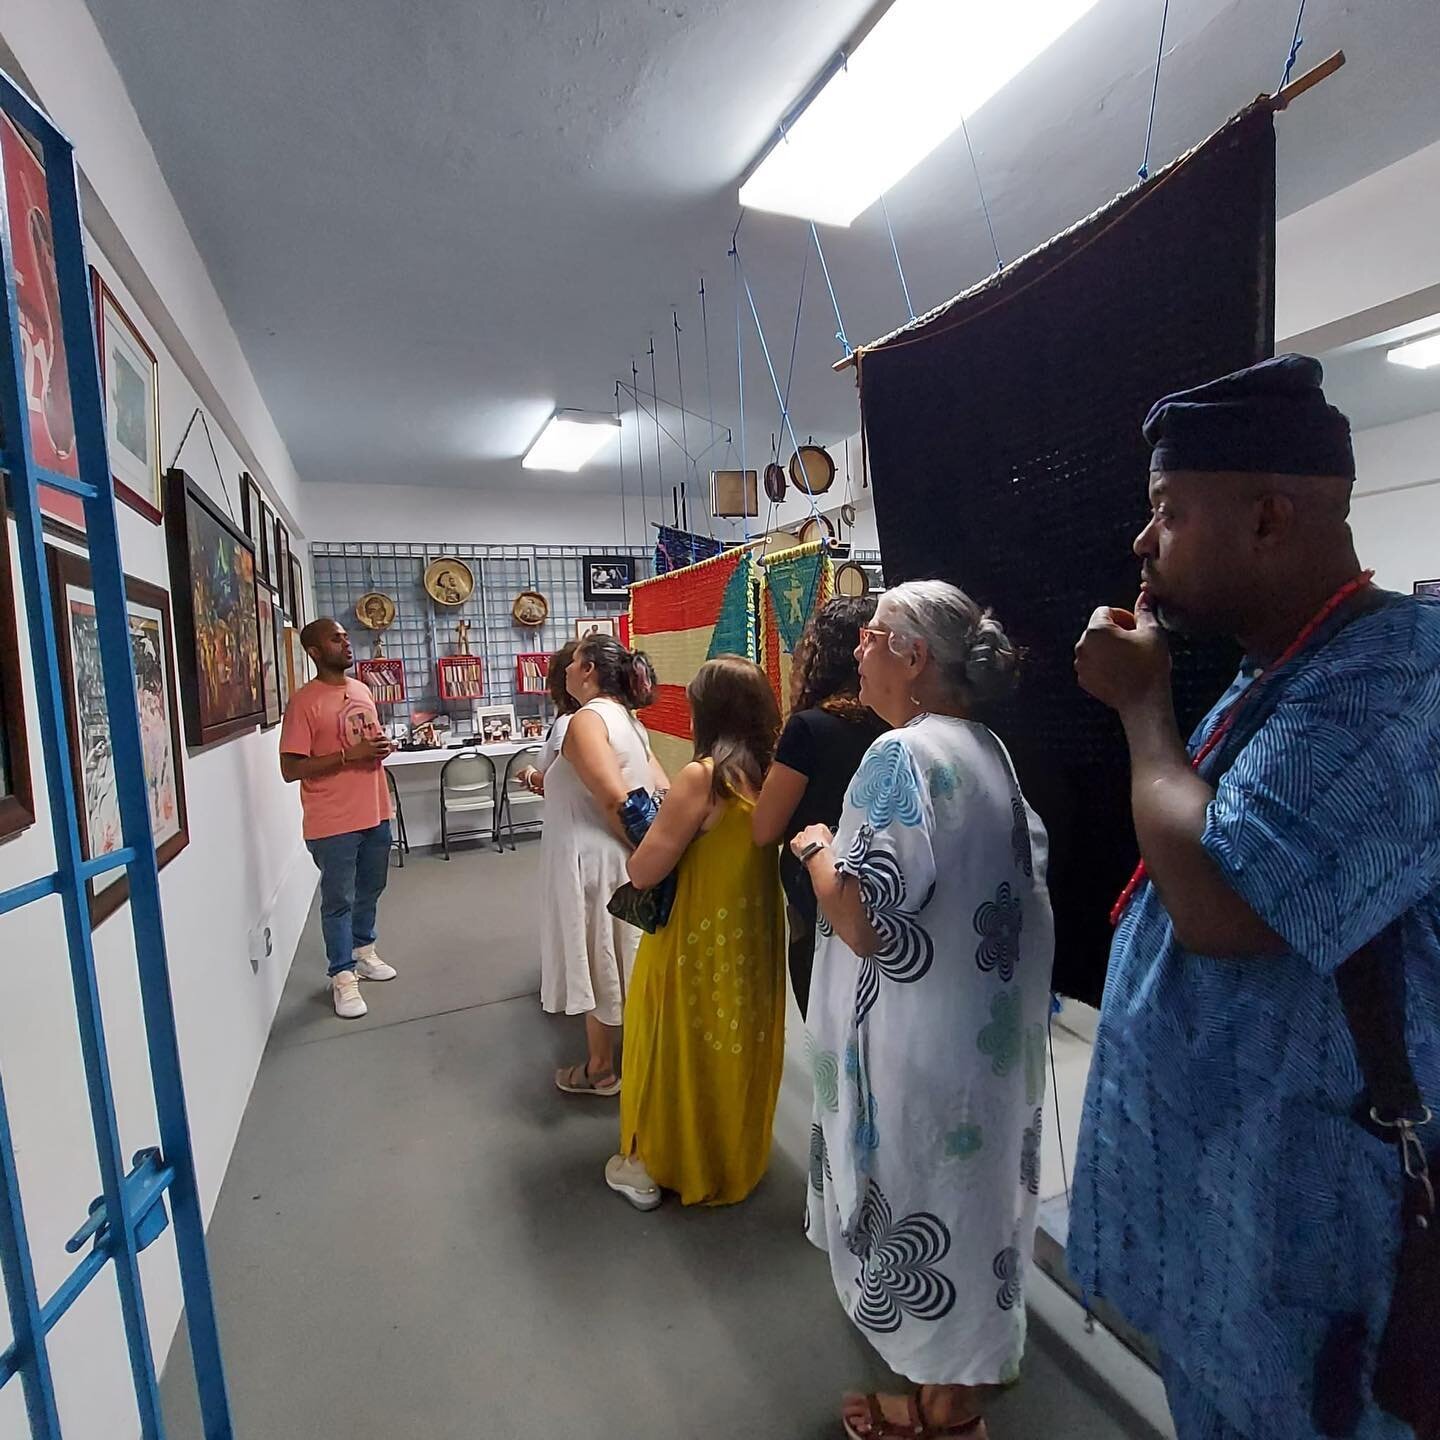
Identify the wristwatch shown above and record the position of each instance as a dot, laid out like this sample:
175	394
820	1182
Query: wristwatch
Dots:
813	848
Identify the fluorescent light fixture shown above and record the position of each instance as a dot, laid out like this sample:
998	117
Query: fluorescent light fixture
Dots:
569	439
925	66
1422	354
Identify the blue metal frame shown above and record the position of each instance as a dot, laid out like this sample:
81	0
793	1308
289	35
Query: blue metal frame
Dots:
130	1211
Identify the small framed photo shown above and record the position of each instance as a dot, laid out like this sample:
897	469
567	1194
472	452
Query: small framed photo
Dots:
1428	588
598	625
130	383
606	577
495	724
532	727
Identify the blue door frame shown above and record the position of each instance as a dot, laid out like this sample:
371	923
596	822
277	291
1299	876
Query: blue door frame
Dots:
130	1211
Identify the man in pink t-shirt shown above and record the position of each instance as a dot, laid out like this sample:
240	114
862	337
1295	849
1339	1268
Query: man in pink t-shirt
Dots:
332	743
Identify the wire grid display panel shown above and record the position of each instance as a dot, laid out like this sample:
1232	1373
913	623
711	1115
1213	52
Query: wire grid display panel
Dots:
423	631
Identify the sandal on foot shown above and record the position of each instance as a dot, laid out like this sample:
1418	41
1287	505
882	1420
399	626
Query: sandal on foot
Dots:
577	1080
914	1427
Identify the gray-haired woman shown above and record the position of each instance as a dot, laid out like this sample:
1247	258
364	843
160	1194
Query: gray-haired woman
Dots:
927	1021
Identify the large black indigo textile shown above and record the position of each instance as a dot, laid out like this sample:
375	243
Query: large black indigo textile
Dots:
1006	454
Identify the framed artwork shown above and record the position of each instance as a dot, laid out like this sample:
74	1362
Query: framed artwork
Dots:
267	606
217	615
597	625
130	385
532	727
88	722
280	567
17	801
297	591
264	544
495	724
606	577
299	665
1430	588
42	341
282	659
385	677
250	507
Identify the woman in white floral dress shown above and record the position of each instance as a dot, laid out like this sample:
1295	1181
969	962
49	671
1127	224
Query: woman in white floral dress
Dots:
927	1022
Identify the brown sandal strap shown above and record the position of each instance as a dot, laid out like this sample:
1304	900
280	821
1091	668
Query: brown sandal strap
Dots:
916	1427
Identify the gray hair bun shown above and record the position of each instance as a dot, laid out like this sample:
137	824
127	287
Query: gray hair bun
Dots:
992	662
971	651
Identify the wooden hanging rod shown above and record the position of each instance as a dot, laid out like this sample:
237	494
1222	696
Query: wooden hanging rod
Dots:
1280	100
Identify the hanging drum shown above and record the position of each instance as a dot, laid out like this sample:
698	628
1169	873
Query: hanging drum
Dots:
812	471
817	527
847	514
775	482
851	580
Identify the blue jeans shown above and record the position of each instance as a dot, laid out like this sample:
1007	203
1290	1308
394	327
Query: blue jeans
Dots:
353	870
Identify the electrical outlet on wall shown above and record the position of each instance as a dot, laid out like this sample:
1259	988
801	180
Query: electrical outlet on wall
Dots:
262	945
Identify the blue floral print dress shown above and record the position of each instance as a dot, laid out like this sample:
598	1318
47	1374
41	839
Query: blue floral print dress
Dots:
928	1056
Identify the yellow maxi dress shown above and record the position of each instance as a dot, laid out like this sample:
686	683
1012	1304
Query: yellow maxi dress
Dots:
705	1021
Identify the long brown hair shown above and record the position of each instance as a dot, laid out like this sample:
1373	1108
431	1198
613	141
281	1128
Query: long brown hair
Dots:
735	721
565	703
826	673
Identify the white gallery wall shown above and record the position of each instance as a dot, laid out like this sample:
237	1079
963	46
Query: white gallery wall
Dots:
1396	510
245	864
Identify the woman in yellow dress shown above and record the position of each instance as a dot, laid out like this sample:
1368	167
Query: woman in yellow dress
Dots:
705	1015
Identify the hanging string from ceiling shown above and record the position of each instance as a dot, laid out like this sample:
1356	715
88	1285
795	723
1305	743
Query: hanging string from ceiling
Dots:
1295	43
651	414
655	401
684	432
624	524
825	270
709	397
984	204
895	251
1144	171
740	366
639	448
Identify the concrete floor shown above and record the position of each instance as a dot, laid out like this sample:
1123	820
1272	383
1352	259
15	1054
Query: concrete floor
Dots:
414	1238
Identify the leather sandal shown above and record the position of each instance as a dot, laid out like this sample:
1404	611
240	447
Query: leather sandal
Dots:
914	1427
577	1080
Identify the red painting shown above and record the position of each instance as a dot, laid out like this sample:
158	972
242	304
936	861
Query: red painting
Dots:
42	342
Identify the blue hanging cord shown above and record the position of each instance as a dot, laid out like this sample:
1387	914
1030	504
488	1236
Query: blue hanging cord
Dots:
795	339
740	371
769	365
895	251
1144	171
984	204
1295	43
839	323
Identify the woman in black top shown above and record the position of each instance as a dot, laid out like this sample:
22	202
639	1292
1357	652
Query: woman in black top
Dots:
819	751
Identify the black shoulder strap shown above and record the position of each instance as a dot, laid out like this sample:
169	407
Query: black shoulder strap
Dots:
1371	983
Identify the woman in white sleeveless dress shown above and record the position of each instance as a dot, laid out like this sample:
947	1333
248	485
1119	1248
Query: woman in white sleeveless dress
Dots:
586	955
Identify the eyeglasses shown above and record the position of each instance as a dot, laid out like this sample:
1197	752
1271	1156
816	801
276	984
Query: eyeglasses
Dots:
870	635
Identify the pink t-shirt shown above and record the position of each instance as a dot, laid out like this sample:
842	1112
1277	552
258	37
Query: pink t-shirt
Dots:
322	719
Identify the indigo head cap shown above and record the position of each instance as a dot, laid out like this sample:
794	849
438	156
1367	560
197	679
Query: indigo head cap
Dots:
1270	419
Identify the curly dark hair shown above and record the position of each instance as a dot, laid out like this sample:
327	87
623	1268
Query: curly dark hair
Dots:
826	674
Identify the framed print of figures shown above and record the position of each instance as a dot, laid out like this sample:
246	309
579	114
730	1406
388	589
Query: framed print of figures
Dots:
597	625
297	591
280	566
88	721
1428	588
495	724
42	342
265	600
130	384
17	803
217	617
282	660
265	544
606	577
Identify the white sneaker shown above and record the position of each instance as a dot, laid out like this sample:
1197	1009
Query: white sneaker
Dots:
626	1176
369	966
345	989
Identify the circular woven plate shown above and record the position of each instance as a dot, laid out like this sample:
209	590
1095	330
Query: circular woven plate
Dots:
449	581
375	610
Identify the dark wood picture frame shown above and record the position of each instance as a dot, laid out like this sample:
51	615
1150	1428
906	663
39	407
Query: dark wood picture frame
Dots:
102	296
280	579
69	569
1429	588
187	506
265	544
297	592
250	507
17	804
608	566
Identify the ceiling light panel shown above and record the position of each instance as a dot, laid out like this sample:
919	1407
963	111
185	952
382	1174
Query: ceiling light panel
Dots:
1422	354
925	66
570	439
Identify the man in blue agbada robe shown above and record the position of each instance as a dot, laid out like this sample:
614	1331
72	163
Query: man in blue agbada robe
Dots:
1270	1033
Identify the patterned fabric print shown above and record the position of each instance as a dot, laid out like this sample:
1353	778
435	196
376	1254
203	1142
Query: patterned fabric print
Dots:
867	1134
819	1160
1000	1039
825	1069
1034	1064
1223	1196
899	1275
963	1142
884	787
906	950
1007	1272
944	782
1030	1153
1020	838
998	923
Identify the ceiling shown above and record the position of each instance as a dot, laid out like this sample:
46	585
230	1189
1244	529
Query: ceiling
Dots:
1370	390
431	223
